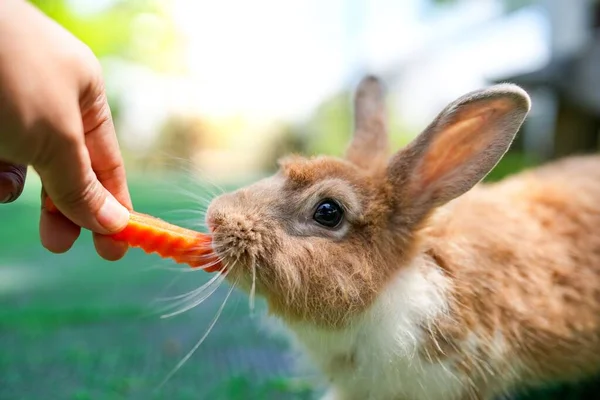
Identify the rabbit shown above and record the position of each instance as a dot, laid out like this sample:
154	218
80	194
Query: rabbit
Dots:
403	276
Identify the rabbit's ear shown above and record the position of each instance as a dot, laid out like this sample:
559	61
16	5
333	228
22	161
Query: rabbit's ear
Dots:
459	148
369	145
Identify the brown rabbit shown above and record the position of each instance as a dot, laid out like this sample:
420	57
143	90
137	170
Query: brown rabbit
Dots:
404	278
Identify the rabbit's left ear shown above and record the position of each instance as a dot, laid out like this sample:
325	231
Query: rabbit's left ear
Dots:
459	148
369	146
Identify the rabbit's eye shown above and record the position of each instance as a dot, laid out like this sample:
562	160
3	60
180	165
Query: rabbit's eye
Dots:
329	213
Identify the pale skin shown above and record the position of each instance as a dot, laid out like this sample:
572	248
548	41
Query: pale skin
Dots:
54	117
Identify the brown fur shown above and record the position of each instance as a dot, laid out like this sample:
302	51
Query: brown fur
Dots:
523	255
525	262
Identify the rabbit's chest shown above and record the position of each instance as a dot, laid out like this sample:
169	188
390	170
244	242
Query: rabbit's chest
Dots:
378	357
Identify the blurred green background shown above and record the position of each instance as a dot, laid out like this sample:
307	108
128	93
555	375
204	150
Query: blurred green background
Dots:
204	89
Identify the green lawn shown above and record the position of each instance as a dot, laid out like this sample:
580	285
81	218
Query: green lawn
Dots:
73	326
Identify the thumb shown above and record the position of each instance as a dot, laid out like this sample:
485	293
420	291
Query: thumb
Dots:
12	181
73	187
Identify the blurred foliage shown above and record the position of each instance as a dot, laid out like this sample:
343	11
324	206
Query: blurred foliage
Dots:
330	128
178	142
444	2
511	163
140	31
509	5
291	140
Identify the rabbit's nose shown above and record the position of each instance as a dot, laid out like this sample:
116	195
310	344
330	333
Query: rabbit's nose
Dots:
240	227
227	221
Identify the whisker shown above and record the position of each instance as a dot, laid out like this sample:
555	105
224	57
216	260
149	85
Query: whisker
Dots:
193	292
201	297
203	176
210	257
181	267
210	327
167	287
196	197
206	266
159	267
202	181
203	194
194	297
253	289
188	175
191	211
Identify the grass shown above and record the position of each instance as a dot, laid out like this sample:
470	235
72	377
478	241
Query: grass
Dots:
73	326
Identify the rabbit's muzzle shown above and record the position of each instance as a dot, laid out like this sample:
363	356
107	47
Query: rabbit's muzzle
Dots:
241	236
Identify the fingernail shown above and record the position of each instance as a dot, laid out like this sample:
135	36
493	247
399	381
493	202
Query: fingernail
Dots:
113	216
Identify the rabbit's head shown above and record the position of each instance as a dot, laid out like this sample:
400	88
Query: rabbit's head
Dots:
321	237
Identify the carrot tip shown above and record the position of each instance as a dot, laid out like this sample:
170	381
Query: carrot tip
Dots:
49	205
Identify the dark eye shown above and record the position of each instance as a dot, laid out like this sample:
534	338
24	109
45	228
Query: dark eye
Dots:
329	213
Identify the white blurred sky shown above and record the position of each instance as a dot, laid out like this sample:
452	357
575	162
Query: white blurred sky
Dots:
278	60
281	58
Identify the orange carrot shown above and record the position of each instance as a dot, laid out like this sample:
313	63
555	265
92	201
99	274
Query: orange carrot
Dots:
154	235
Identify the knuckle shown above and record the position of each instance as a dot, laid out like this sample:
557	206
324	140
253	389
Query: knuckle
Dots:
82	57
93	86
95	69
60	135
111	174
100	112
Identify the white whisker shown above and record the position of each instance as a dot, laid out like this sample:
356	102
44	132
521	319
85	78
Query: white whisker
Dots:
210	327
193	292
159	267
253	289
201	297
187	211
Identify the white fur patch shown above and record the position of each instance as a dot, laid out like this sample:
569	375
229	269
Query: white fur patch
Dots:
384	343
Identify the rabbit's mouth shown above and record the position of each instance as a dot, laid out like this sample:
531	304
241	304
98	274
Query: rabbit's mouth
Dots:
242	240
243	246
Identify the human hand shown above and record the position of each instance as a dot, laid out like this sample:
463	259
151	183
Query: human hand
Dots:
54	116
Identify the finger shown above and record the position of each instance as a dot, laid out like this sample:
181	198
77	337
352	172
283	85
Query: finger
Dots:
12	181
108	248
107	163
72	185
57	232
104	152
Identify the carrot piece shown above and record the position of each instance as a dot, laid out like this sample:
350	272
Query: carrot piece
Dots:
49	205
154	235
